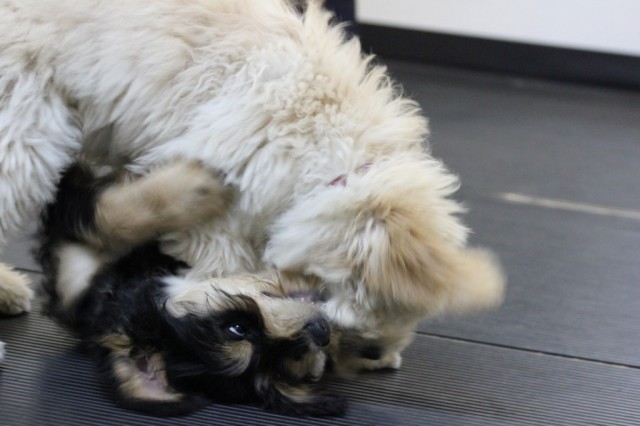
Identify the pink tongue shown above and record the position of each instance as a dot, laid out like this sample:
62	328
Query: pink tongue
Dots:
339	181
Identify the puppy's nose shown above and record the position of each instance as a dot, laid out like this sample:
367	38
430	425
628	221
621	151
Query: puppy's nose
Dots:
319	331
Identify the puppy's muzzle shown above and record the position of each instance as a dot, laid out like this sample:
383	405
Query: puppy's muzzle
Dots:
319	331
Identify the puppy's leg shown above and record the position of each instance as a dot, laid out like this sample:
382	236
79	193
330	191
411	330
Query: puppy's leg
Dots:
38	136
352	351
117	216
171	198
139	380
112	307
15	294
89	225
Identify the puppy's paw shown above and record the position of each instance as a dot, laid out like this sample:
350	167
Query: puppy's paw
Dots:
316	367
1	352
185	193
299	401
15	294
347	364
390	361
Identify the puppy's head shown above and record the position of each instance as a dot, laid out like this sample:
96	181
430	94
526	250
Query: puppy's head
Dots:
231	340
391	231
387	239
242	338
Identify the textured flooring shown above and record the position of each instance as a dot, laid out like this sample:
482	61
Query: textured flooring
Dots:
550	174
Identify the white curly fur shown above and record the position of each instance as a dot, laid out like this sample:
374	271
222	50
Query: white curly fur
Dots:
282	104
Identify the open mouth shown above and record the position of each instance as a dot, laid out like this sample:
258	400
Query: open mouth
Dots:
307	296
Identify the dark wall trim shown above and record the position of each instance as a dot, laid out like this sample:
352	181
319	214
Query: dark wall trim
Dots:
500	56
345	11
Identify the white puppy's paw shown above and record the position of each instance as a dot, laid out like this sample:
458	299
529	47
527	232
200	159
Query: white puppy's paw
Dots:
391	361
15	294
348	363
1	352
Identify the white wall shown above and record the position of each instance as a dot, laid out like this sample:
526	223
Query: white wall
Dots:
611	26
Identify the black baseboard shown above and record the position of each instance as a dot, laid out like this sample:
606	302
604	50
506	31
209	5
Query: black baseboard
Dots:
345	11
528	60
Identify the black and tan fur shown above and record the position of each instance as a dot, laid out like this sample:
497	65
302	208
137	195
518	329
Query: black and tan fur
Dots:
166	348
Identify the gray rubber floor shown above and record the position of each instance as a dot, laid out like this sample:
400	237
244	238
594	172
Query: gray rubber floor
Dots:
551	175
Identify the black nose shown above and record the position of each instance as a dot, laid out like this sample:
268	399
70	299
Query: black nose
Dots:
319	331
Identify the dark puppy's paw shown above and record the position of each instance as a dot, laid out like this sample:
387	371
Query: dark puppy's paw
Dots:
299	401
191	193
327	405
138	379
187	405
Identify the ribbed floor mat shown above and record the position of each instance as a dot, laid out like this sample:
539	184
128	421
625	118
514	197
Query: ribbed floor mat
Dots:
47	381
20	255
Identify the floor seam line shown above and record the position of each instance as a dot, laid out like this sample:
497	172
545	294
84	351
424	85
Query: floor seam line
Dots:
532	351
514	198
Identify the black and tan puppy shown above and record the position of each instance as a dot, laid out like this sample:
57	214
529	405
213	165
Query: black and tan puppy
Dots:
168	346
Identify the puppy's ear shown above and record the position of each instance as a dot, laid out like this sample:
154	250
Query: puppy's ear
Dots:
394	228
139	381
298	400
410	248
405	264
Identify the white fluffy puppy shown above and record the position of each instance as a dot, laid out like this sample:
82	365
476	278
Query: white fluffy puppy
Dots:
333	184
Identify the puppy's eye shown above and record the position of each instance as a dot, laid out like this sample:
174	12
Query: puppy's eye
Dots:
237	331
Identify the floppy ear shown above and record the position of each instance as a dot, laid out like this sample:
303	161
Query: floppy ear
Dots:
291	400
393	228
406	265
139	380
